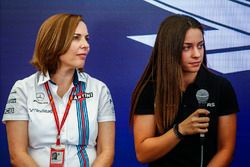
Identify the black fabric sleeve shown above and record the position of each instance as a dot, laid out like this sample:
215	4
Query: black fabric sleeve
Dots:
228	99
145	103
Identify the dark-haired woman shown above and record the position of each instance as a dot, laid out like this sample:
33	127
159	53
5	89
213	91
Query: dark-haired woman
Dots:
165	113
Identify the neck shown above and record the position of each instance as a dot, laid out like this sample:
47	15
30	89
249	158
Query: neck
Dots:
63	79
188	78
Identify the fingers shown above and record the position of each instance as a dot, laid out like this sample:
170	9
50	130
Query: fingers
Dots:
202	112
195	124
203	130
201	125
203	119
198	119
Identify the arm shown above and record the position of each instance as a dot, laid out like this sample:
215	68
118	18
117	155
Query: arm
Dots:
226	141
149	148
105	144
17	134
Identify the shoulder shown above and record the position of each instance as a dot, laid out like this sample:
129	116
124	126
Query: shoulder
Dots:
23	88
222	98
222	90
93	80
27	81
94	84
212	78
216	84
145	103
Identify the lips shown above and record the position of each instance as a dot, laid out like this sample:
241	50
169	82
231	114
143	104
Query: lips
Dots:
197	63
82	55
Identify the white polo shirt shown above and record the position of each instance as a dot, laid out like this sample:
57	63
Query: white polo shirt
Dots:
28	100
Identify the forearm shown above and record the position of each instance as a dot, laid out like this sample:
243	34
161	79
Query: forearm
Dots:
22	159
104	159
17	134
222	158
226	141
156	147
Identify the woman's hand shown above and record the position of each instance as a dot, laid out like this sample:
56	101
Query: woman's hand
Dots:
195	123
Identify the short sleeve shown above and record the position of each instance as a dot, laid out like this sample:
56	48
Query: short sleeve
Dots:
16	107
106	111
228	99
145	103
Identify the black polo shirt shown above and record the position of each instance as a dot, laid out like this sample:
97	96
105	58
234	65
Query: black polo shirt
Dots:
222	101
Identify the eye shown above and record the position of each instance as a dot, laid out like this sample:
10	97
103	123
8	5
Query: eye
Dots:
200	46
87	38
186	48
76	37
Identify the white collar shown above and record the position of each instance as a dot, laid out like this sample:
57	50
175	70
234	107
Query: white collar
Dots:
81	76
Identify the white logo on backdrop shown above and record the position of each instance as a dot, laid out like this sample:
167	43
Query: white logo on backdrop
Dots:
231	24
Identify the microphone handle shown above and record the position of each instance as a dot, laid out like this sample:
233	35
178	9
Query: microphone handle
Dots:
202	135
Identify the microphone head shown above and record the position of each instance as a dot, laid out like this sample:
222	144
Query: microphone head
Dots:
202	96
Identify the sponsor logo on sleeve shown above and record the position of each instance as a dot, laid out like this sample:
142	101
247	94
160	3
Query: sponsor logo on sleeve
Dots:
11	101
9	111
13	92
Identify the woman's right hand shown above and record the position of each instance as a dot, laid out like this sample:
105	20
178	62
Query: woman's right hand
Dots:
194	123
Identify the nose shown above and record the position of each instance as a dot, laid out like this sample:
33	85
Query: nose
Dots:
84	44
196	52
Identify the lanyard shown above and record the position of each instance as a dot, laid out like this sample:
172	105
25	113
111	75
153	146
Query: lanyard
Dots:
52	103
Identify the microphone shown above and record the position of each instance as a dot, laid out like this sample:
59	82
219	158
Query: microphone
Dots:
202	96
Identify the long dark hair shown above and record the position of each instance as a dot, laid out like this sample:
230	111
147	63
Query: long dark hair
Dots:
164	70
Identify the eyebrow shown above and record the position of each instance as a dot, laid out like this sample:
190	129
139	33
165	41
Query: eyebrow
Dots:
78	34
187	43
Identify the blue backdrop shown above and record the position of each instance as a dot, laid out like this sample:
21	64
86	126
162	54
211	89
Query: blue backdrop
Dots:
121	37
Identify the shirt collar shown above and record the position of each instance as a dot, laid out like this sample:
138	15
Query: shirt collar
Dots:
43	78
78	76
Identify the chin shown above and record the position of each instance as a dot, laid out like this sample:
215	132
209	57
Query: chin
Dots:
80	65
194	70
191	70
